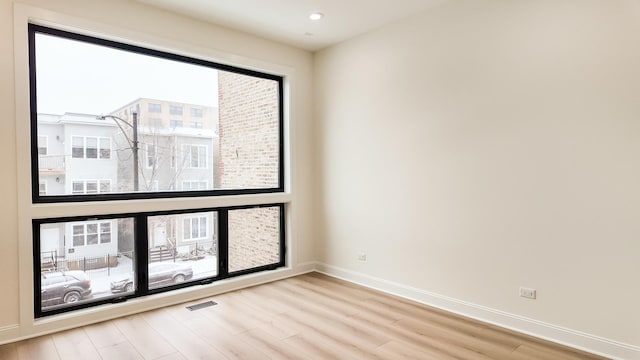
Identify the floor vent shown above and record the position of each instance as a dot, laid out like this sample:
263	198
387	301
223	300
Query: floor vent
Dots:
202	305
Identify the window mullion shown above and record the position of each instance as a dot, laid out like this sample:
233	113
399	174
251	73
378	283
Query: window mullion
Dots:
141	248
223	243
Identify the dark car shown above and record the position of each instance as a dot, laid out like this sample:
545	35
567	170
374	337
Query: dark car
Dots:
63	287
160	274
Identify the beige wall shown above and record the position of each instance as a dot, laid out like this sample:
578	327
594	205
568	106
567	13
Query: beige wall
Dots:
146	25
488	145
8	210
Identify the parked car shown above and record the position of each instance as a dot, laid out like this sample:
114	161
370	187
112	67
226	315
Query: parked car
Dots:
63	287
160	274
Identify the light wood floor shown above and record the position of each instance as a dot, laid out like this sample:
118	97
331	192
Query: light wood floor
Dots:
307	317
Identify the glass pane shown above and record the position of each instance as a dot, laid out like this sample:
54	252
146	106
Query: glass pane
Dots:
77	144
91	150
176	255
105	186
92	187
254	238
78	187
105	148
105	233
75	97
78	272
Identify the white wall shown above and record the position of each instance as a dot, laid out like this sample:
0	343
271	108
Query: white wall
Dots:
488	145
146	26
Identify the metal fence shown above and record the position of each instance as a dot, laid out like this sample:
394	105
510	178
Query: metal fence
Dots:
49	261
191	251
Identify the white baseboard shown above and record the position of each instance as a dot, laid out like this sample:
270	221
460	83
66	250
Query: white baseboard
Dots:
572	338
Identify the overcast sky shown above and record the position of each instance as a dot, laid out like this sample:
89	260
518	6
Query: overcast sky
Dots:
79	77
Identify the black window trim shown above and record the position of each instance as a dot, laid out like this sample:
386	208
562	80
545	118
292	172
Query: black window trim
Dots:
141	241
43	199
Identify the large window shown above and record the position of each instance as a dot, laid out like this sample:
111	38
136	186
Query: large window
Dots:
111	113
137	126
103	260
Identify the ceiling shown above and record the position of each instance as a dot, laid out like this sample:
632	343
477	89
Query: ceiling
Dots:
287	21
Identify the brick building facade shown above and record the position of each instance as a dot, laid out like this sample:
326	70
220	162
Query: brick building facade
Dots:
249	159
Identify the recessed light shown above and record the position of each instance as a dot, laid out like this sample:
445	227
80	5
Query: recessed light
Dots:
315	16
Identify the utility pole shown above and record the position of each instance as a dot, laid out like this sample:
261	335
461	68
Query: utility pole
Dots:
135	149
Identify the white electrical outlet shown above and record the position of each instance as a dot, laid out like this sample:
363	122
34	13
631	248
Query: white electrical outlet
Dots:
362	256
527	293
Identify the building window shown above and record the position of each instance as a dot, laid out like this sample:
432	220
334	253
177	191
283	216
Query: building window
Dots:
43	145
91	233
105	148
91	186
151	155
196	112
195	228
175	123
155	108
175	110
105	233
42	187
142	218
191	185
195	156
155	122
89	147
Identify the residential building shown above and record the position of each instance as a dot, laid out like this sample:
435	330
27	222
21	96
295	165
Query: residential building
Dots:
75	156
156	113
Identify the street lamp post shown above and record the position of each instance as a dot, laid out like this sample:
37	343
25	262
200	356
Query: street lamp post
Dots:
133	143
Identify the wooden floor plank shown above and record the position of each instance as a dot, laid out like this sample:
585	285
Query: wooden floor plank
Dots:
75	344
178	335
270	345
104	334
40	348
148	342
228	344
120	351
396	349
9	352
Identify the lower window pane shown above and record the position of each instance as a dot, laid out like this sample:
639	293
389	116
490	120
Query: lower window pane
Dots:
85	270
254	238
182	248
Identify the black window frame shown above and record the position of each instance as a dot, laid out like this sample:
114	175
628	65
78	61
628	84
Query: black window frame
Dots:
34	29
141	258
